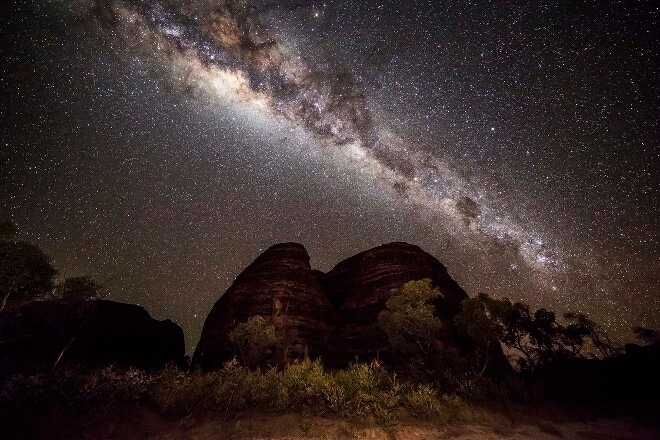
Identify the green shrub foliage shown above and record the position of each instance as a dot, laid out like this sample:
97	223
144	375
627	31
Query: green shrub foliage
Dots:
302	386
254	340
411	326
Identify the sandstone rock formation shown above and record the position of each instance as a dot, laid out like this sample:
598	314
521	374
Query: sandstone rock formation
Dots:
93	333
280	285
333	316
360	286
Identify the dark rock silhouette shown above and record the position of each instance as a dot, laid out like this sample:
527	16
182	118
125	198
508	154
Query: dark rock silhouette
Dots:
90	333
333	316
633	376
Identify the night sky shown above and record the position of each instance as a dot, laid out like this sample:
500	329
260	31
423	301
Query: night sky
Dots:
160	148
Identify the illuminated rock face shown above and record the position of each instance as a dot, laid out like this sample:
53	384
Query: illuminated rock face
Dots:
279	285
333	316
360	286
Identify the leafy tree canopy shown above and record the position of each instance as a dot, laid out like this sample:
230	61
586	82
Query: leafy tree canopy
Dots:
254	340
647	335
409	322
81	288
25	272
537	336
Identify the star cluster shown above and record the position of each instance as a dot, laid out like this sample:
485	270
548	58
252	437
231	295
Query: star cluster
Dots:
160	146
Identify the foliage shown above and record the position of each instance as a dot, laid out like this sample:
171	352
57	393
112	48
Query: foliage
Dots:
302	386
78	391
305	386
178	392
481	320
538	337
81	288
647	335
423	401
254	340
410	325
26	274
25	271
580	326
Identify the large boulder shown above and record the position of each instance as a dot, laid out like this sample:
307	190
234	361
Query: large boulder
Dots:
280	286
92	333
333	316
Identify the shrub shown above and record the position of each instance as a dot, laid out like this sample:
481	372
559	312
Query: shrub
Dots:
453	402
262	387
306	386
230	392
303	386
178	392
423	401
79	391
358	386
254	340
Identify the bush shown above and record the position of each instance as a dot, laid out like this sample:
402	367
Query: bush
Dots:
178	392
254	340
423	401
452	401
77	391
304	385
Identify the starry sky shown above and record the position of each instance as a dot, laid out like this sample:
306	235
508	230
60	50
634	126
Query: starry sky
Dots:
160	146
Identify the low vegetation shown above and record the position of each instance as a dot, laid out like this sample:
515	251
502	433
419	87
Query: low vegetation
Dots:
304	387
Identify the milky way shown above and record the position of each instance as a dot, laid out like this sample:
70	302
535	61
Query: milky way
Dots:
229	51
160	146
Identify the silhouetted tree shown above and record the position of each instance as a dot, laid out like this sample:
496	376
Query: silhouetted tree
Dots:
481	320
25	271
81	288
537	337
584	327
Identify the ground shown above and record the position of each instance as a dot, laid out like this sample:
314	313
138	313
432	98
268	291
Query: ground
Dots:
295	428
473	424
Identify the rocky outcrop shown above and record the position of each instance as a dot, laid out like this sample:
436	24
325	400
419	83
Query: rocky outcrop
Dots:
92	333
279	285
333	316
360	286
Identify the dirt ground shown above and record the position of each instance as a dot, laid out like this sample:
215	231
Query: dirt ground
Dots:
296	428
468	423
292	428
476	425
